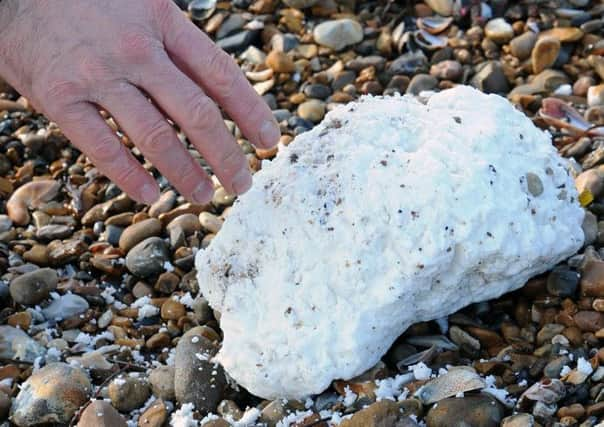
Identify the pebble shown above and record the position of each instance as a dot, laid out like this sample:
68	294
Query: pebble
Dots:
100	413
5	404
447	70
545	53
590	180
238	41
338	34
312	110
592	279
522	45
65	306
300	4
420	83
172	310
33	287
196	379
280	62
128	393
499	30
491	78
595	95
136	233
478	410
518	420
210	222
147	257
382	413
442	7
51	395
162	382
155	416
562	281
590	321
16	344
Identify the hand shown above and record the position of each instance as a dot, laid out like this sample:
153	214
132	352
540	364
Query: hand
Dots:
72	58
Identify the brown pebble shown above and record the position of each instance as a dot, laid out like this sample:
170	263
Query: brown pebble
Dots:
100	413
155	416
172	310
595	410
138	232
590	321
576	410
592	280
158	341
280	62
544	53
21	319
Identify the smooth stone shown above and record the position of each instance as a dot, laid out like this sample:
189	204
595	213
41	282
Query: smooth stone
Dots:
155	416
474	410
128	393
16	344
442	7
518	420
33	287
65	306
312	110
590	228
447	70
197	380
545	53
5	404
172	310
231	24
300	4
280	62
136	233
148	257
284	42
100	413
554	367
338	34
499	30
592	279
238	41
379	414
420	83
54	231
562	281
409	63
253	55
591	180
595	95
491	78
51	395
317	90
522	45
5	223
162	382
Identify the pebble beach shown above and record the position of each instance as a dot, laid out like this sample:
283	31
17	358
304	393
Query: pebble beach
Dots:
101	319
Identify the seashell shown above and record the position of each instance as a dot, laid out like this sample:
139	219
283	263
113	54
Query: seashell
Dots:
423	356
434	24
201	9
458	380
429	41
557	113
438	341
547	391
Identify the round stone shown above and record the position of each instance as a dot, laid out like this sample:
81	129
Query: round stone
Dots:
499	30
312	110
172	310
338	34
100	413
128	393
562	281
522	45
33	287
162	382
136	233
148	257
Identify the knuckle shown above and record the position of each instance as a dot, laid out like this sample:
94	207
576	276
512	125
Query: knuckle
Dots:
136	46
94	68
203	112
107	149
126	174
63	92
232	160
157	139
224	72
183	175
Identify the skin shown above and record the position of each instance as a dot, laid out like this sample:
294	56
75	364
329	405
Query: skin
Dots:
142	61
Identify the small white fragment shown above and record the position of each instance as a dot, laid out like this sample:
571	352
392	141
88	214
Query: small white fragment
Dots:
421	371
584	366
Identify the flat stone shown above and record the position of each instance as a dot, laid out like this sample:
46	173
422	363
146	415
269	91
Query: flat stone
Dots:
100	413
34	287
338	34
65	306
16	344
51	395
522	45
379	414
148	257
197	380
479	411
136	233
128	393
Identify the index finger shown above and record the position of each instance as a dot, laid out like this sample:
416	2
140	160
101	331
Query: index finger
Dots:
220	77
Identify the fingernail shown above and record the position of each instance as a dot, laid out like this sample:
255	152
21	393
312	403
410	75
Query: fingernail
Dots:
269	133
149	193
203	193
242	181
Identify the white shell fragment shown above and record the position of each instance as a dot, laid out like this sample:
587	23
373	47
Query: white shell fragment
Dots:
389	212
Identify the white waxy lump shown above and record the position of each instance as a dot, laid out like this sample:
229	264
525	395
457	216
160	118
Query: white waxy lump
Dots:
388	213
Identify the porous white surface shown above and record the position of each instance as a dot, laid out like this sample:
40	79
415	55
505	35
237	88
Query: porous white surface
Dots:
388	213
